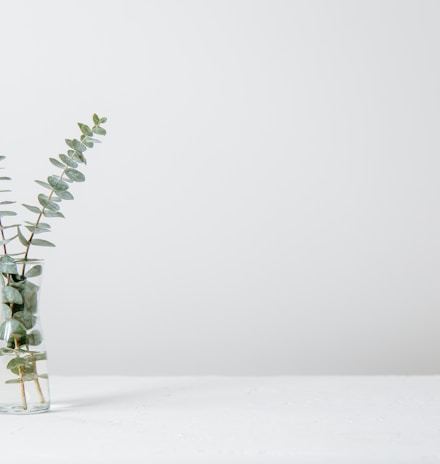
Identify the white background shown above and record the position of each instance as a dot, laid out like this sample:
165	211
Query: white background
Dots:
267	198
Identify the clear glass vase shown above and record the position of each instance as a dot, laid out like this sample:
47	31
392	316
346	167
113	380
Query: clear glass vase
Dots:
24	385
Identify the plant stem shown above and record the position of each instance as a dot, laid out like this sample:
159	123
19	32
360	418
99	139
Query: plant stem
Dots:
40	215
39	391
37	382
20	371
3	237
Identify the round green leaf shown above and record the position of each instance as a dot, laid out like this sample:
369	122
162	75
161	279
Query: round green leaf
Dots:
78	146
11	295
56	163
57	183
6	310
35	338
26	318
46	203
99	130
7	265
10	328
85	129
68	161
34	271
16	362
64	195
75	175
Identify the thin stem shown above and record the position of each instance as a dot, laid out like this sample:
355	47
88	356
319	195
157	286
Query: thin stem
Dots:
39	391
5	250
3	237
40	215
37	382
20	371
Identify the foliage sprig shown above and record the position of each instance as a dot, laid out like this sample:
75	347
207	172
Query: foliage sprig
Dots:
19	302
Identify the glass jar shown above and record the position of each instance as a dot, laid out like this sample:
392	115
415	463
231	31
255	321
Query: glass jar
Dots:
24	384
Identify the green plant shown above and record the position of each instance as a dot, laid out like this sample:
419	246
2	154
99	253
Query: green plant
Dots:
19	302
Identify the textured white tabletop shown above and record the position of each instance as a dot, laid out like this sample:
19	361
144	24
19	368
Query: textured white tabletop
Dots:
231	420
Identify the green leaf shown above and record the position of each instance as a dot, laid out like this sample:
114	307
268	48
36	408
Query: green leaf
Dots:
50	214
43	376
56	163
13	381
16	362
7	202
42	356
35	338
22	238
36	229
11	295
90	139
8	227
43	184
2	158
6	352
6	310
85	129
34	271
9	381
78	156
68	161
24	378
79	146
34	209
8	178
7	213
8	265
99	130
10	328
103	120
64	194
76	145
39	242
26	318
7	240
46	203
30	297
57	183
96	119
42	225
75	175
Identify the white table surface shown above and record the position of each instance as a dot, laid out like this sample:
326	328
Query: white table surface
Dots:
272	420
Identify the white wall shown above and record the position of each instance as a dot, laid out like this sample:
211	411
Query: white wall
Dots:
267	199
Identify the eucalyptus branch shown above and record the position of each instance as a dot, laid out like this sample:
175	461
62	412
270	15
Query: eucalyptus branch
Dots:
58	185
18	290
